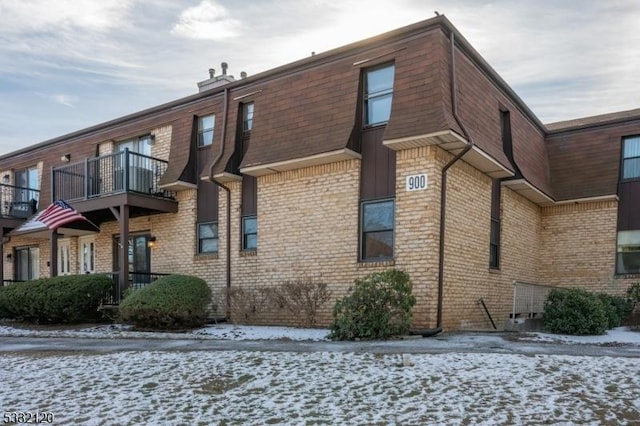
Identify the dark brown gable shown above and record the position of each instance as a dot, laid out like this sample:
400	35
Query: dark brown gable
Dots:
420	90
307	113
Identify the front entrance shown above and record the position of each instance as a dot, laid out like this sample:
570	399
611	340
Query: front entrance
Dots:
139	259
64	256
87	254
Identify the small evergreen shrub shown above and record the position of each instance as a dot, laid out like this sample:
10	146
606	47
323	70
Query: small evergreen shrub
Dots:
378	306
64	299
171	302
633	297
574	311
616	308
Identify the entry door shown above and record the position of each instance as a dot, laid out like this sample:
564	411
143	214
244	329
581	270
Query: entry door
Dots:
64	257
87	254
139	259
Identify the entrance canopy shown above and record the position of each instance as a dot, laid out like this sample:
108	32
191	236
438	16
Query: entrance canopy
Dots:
60	217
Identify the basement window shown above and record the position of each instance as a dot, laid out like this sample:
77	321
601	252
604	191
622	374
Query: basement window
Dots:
376	241
631	157
207	238
628	252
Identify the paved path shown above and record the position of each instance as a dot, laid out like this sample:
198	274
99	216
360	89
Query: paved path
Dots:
445	343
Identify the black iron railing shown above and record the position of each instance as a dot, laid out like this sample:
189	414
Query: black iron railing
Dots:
137	280
18	201
10	282
123	171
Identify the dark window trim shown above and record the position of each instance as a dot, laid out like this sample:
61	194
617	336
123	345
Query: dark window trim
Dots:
199	240
245	119
366	97
245	234
495	225
201	131
16	269
623	158
361	233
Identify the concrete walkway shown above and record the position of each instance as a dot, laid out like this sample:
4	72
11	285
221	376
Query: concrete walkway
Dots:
508	343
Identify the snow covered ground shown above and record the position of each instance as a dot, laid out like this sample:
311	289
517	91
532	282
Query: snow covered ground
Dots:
258	387
237	387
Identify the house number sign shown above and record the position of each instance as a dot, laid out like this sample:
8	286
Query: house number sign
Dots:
416	182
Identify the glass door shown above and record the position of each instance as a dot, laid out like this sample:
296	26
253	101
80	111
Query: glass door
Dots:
139	255
64	257
87	255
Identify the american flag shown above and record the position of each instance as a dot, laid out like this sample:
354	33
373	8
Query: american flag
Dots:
59	213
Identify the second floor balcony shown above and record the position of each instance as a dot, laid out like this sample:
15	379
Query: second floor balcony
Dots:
18	202
120	172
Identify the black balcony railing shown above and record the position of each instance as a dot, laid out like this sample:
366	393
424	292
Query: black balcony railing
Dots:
123	171
17	201
137	280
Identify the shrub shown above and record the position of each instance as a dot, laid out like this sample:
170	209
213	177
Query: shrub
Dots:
64	299
616	308
304	296
574	311
378	306
245	304
633	297
171	302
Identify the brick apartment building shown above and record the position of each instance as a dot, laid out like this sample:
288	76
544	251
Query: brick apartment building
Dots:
351	161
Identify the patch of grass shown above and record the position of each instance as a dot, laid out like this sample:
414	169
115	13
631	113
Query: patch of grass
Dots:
220	385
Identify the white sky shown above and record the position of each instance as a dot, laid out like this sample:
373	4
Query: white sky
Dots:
69	64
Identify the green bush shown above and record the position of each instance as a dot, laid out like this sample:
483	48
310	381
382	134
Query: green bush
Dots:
574	311
172	302
378	306
616	308
64	299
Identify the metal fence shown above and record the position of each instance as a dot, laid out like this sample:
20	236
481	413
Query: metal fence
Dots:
137	280
124	171
528	299
17	201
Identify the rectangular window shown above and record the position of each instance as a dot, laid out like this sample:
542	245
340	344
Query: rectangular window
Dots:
247	117
28	183
628	252
207	238
378	93
249	233
631	157
206	125
27	263
494	239
377	220
139	145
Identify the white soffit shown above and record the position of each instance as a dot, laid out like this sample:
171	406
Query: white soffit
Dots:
299	163
528	191
453	143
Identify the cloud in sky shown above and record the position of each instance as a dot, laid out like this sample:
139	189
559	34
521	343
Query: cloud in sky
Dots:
109	58
206	21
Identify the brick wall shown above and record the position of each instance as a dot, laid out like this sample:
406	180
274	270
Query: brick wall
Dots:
579	245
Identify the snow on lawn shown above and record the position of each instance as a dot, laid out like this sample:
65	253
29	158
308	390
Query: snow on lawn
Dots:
240	387
218	331
619	335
